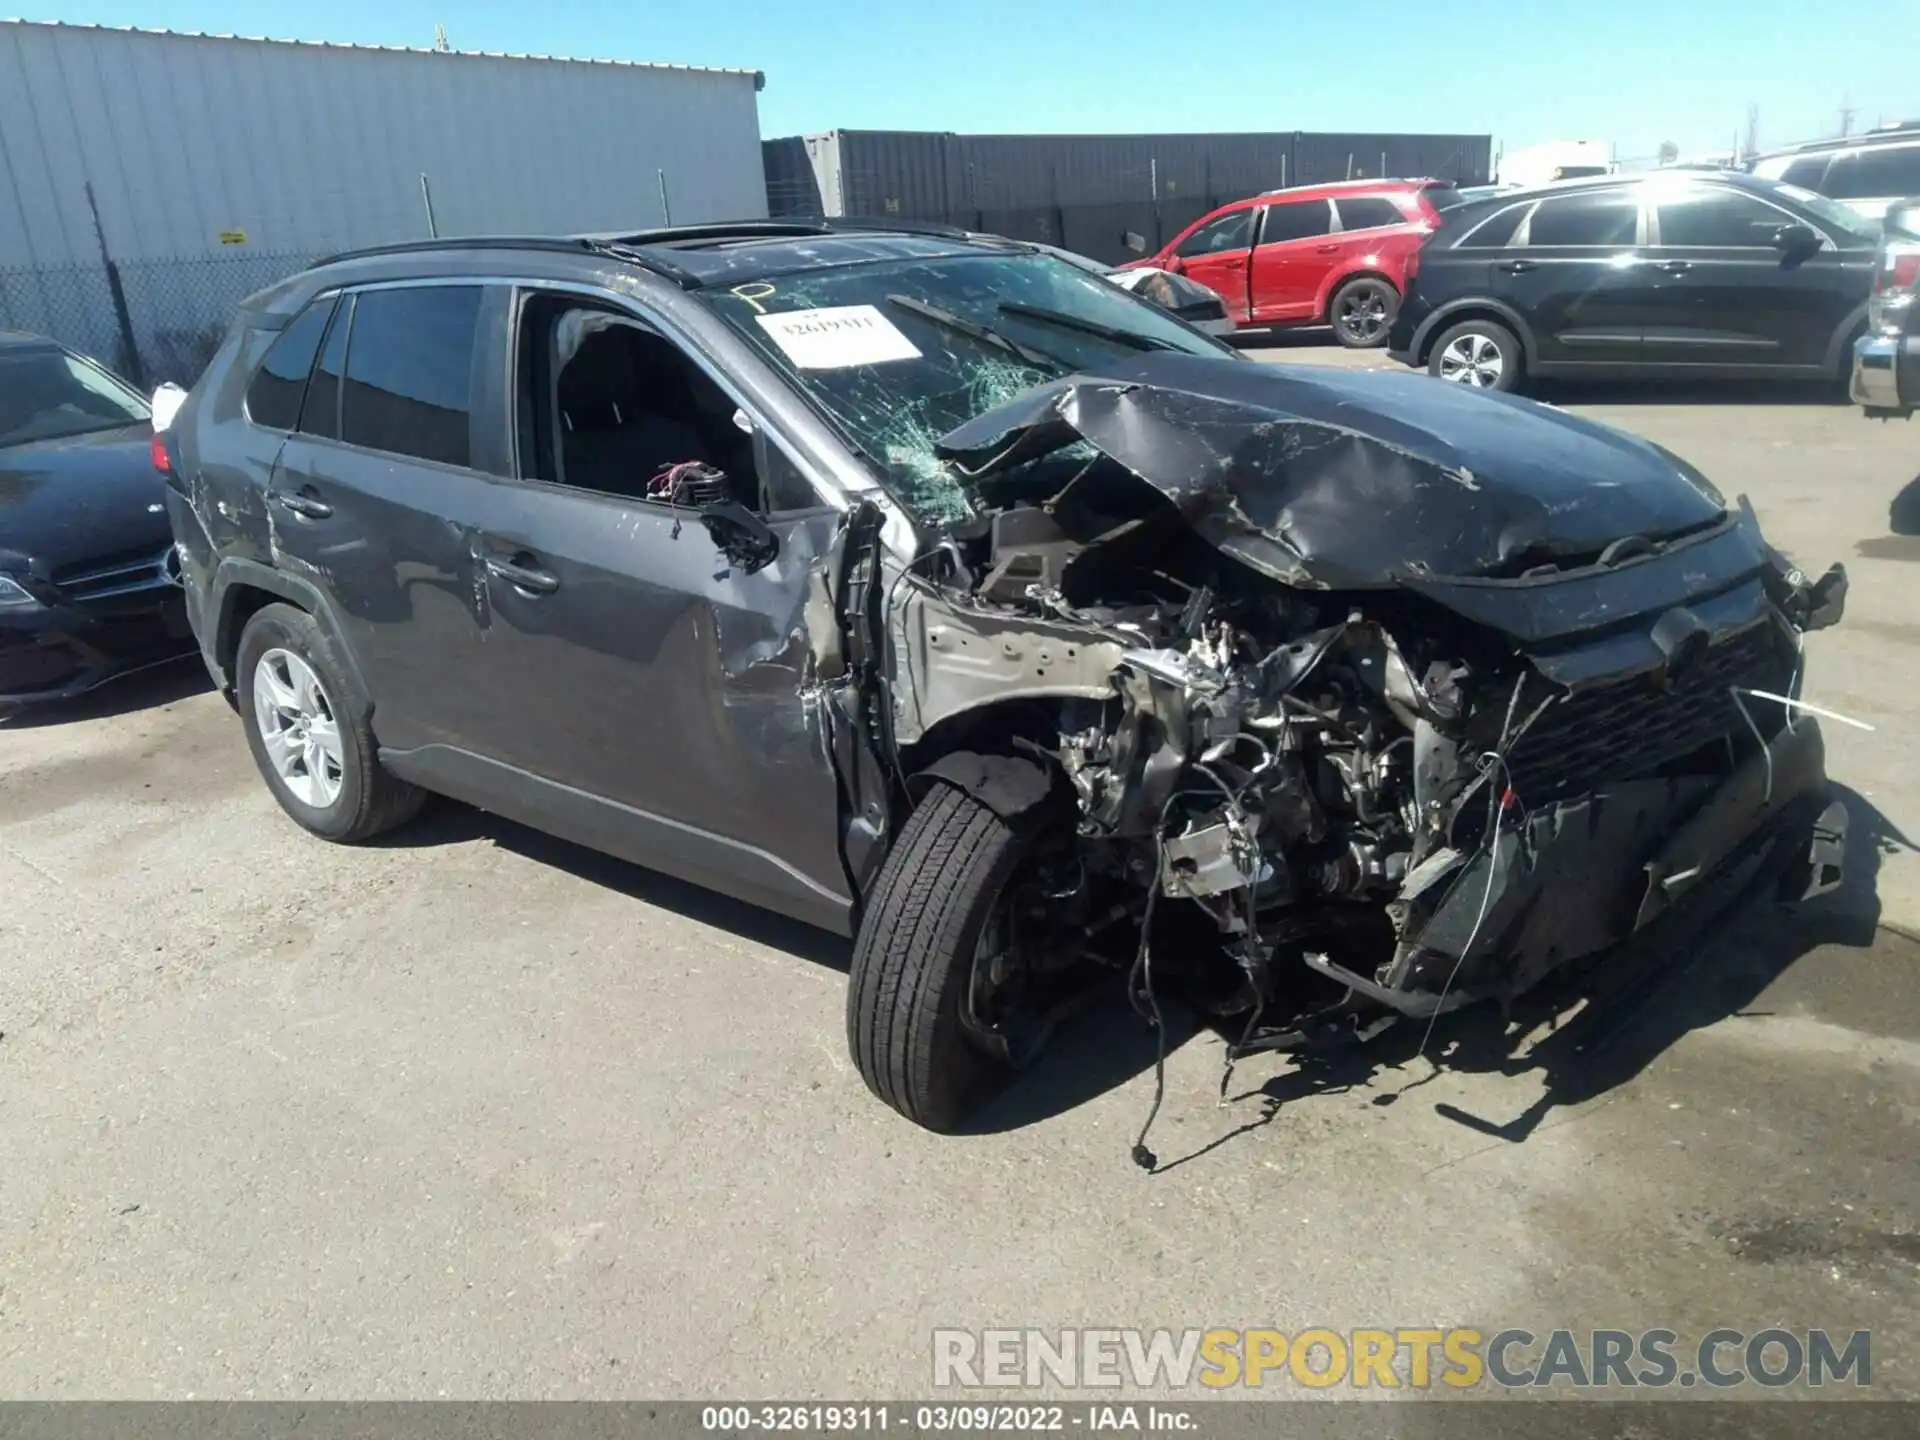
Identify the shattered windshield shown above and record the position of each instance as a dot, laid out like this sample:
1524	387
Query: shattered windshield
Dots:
900	352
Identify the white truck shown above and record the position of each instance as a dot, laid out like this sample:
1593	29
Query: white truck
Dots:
1553	160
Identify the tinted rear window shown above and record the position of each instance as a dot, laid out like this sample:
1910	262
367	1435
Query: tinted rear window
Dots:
1296	220
1607	218
321	414
1495	230
273	399
1885	170
1365	212
410	371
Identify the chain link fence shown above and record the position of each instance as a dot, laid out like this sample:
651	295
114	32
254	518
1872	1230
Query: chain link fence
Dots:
150	320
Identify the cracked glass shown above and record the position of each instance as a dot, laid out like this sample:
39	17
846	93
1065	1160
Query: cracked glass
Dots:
972	354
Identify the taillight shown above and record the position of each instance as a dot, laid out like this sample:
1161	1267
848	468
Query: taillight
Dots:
157	451
1899	269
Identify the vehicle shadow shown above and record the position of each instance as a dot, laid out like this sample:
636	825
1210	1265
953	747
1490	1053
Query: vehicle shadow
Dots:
148	688
1691	392
1284	337
1590	1034
1903	515
447	822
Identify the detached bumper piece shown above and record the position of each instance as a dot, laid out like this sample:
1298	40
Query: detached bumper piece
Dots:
1582	875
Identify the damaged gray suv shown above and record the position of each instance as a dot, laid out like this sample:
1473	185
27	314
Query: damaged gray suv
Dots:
936	592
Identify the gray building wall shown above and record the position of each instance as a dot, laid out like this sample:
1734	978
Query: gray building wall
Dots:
1084	191
290	150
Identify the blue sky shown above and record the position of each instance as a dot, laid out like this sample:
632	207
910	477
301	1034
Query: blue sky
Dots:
1632	71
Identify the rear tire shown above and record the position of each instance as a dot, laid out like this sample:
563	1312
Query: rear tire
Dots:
1361	312
913	960
1483	354
320	760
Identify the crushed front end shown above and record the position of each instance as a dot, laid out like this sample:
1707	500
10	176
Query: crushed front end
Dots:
1411	715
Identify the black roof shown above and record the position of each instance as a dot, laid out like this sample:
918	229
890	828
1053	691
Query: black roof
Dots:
1908	130
26	340
695	256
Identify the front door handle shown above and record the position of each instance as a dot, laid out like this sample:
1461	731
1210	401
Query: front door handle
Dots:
1326	249
304	503
1674	267
521	573
1517	267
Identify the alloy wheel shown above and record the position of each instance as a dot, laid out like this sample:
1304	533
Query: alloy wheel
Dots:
1473	360
298	728
1362	315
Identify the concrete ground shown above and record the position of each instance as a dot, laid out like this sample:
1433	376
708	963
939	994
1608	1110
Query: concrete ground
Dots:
477	1113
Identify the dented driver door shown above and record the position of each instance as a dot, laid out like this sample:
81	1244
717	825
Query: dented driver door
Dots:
658	700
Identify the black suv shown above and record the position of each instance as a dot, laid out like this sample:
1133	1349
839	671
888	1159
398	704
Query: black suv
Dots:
1671	274
936	591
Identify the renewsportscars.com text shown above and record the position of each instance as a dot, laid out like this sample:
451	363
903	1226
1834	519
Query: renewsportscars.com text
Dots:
1404	1358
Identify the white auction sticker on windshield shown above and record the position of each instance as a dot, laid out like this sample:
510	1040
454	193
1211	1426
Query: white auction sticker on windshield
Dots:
837	337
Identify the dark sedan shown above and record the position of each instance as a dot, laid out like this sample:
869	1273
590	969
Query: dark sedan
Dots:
1709	274
87	587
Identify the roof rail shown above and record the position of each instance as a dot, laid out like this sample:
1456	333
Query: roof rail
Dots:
776	229
563	244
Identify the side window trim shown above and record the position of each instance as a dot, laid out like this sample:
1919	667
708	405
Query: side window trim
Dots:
827	496
350	294
1466	241
1650	218
1327	208
342	316
331	296
1642	224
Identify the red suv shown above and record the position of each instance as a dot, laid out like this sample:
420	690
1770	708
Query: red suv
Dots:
1315	255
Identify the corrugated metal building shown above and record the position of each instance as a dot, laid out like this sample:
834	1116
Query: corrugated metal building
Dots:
1084	191
215	164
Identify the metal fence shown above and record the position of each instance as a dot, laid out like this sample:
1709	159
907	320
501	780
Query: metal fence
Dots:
1088	193
150	320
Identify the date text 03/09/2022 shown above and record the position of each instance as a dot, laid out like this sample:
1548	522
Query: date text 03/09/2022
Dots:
939	1419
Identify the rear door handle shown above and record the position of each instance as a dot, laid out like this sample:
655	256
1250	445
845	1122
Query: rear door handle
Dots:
1326	249
523	574
304	503
1517	267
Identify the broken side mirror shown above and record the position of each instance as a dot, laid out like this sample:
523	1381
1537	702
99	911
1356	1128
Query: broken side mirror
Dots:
742	536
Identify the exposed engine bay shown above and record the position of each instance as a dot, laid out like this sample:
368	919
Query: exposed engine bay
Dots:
1412	710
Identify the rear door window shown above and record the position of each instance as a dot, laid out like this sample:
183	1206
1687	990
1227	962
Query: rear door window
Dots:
1296	220
1889	170
1367	212
1601	218
409	374
1707	216
1496	230
321	414
1807	172
273	399
1231	231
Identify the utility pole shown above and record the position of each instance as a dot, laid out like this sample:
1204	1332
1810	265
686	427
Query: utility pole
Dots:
440	41
1846	116
1753	133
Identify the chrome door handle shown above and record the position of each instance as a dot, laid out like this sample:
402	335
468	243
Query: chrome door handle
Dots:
304	505
522	577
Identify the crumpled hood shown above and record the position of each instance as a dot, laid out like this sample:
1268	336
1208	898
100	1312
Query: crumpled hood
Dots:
64	502
1351	480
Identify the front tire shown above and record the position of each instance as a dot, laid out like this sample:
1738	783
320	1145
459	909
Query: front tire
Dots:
312	743
1362	313
1483	354
913	960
